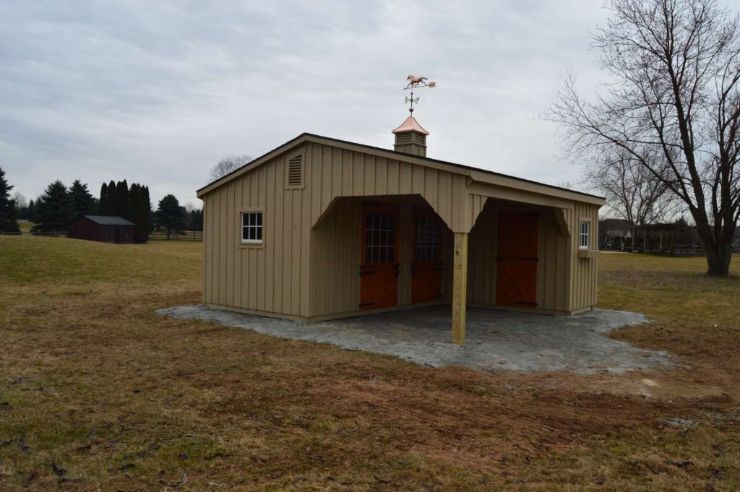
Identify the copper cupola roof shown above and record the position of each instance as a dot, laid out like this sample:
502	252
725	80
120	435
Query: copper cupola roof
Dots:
411	125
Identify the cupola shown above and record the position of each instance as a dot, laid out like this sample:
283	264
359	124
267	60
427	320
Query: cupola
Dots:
411	138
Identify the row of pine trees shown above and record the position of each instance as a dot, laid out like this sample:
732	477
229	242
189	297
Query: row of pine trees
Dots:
131	203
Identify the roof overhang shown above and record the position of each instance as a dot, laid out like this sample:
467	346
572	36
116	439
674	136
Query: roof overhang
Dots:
474	174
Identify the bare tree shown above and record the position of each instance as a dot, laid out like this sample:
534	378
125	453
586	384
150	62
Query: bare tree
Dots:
632	192
677	96
20	200
228	165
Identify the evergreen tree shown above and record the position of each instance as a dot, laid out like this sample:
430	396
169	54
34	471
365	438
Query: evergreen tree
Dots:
139	213
121	200
147	213
54	209
103	200
81	201
8	214
27	211
110	199
195	220
134	200
170	215
33	210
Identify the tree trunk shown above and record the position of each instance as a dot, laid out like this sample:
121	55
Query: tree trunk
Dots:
718	259
718	252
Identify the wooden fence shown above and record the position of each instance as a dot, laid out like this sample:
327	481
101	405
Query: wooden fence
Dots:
36	233
182	236
154	236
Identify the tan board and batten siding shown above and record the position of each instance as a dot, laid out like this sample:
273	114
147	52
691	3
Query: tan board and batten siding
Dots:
307	264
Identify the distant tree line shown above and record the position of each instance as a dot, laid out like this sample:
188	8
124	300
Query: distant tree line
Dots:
194	219
59	206
173	218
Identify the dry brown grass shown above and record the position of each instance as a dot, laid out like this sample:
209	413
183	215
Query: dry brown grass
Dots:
96	391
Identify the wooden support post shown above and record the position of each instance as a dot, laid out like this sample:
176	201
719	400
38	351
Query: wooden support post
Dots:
459	287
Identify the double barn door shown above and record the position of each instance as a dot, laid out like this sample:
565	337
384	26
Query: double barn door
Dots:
379	265
380	268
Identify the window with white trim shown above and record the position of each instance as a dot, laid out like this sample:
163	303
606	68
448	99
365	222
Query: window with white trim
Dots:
584	233
252	227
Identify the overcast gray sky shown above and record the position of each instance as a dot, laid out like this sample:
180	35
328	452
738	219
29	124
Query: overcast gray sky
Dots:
158	92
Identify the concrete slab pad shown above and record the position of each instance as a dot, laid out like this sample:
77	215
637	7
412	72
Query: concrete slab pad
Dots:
496	340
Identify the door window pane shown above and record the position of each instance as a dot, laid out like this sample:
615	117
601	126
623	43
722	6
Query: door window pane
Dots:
380	238
427	240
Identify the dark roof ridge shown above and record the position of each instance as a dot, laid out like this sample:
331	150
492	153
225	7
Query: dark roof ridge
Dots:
108	219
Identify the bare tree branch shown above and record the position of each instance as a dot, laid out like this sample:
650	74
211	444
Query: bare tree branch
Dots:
228	165
674	110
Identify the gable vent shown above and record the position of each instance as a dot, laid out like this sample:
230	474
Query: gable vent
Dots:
295	171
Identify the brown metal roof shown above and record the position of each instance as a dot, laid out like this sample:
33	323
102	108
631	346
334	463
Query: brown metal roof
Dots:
399	155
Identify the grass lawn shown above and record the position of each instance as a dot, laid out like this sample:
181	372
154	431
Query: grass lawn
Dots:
97	392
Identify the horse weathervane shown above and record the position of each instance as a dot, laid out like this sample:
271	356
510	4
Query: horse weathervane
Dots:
416	82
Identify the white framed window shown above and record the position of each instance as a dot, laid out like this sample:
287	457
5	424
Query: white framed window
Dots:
252	228
584	233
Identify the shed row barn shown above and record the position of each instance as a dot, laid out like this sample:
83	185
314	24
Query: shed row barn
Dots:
321	228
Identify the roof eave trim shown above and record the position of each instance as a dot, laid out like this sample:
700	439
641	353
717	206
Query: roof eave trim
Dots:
535	187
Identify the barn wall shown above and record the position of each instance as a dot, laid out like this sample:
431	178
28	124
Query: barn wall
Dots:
340	172
552	252
84	229
335	260
334	174
278	276
272	277
584	272
304	271
482	250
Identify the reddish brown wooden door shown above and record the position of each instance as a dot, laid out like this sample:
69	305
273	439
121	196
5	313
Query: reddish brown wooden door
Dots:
516	263
426	267
379	266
